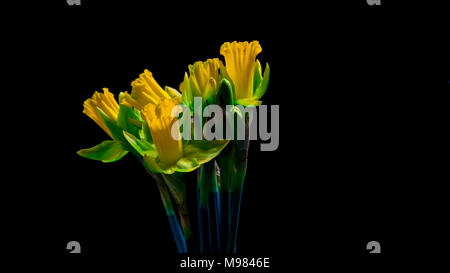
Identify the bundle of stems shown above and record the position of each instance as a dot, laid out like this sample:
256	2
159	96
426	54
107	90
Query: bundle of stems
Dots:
219	194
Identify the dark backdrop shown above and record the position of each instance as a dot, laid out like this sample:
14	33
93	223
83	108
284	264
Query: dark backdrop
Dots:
333	184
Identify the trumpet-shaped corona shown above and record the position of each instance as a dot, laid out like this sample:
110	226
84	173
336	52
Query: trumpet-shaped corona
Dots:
104	101
145	90
160	120
240	61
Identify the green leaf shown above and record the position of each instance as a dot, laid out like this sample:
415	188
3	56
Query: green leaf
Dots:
107	151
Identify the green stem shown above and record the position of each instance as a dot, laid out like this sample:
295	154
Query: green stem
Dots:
225	161
204	224
233	168
177	188
167	203
215	205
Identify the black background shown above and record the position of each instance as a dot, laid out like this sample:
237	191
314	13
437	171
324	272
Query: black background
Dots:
337	180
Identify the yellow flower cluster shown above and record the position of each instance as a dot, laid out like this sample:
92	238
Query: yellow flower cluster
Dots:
155	104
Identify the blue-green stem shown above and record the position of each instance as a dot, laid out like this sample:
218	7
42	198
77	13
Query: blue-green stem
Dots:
209	221
173	220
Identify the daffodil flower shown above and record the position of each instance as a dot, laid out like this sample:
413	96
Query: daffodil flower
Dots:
244	84
167	152
146	124
104	101
202	81
244	72
104	110
145	90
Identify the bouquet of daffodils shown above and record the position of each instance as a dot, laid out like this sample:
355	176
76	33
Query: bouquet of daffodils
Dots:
154	124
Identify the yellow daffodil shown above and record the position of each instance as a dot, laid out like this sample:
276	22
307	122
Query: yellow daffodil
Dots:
106	103
105	111
240	68
145	90
167	152
160	120
202	81
240	60
146	124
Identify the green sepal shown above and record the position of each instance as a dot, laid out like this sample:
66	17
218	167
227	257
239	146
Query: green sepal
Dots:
225	94
224	75
145	132
187	98
260	84
257	76
262	87
211	97
107	151
129	119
